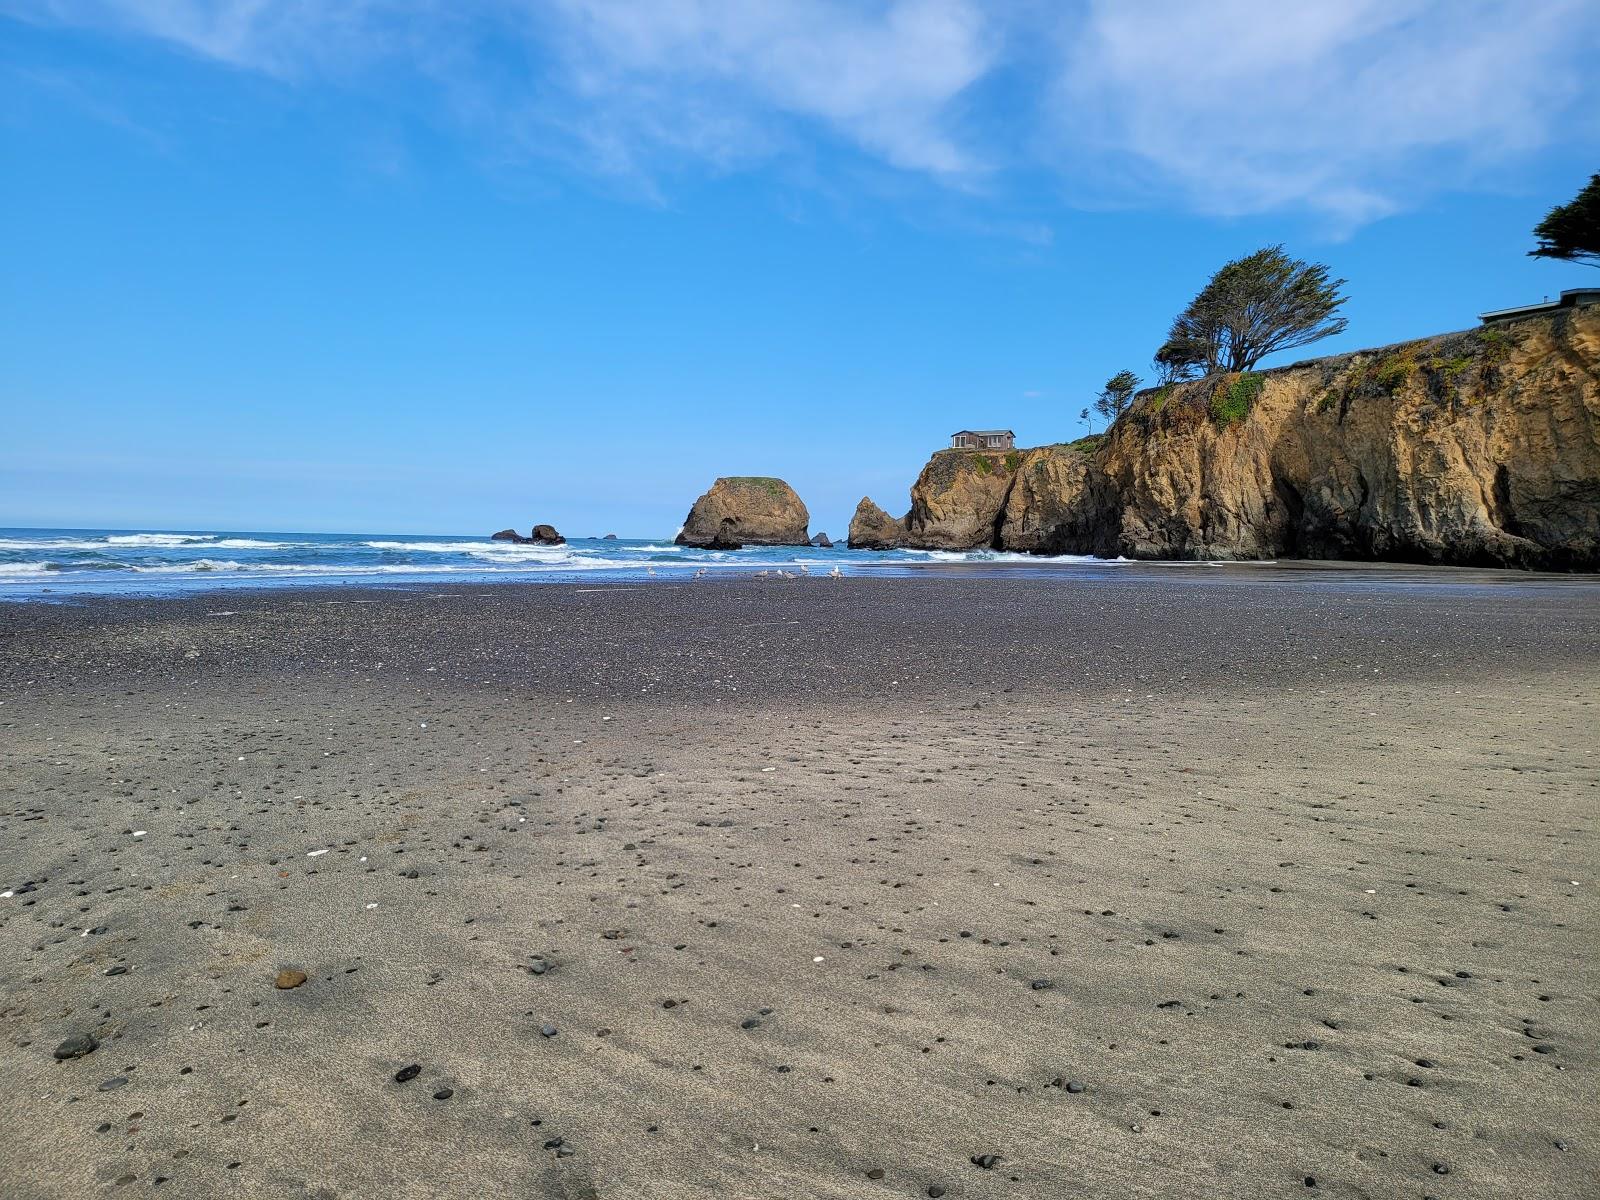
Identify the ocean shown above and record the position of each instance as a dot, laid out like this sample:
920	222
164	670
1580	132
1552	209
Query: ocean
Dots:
45	564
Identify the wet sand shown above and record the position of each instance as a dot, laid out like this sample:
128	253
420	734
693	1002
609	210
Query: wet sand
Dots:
1166	883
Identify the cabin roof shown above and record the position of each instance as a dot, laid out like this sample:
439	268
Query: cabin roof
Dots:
1570	298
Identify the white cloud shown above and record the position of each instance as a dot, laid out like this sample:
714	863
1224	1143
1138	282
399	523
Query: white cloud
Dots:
1353	108
884	77
1350	109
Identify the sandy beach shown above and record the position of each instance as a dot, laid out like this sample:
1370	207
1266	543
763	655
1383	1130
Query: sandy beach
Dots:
1142	882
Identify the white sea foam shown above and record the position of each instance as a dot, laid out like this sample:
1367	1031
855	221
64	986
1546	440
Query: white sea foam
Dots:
50	544
159	539
1005	556
199	564
252	544
468	547
27	568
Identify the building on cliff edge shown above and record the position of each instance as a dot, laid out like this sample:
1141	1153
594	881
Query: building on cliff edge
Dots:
1571	298
983	439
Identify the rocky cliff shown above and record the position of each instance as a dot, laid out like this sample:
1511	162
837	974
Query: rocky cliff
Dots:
740	510
873	529
1476	448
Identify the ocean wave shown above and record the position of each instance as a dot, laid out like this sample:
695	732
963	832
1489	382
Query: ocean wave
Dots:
27	568
159	539
252	544
199	564
1005	556
468	547
51	544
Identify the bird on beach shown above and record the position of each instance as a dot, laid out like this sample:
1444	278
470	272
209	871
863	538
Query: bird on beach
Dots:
836	574
804	570
700	573
649	570
761	574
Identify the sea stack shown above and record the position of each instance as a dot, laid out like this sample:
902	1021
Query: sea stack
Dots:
873	529
746	510
541	535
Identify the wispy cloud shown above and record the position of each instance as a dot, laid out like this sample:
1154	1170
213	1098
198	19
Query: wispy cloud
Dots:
1350	109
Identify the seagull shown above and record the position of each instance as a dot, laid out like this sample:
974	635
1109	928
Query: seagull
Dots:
835	574
700	573
649	570
804	570
761	574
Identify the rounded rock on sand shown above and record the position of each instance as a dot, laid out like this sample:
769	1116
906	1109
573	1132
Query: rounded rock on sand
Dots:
76	1046
289	978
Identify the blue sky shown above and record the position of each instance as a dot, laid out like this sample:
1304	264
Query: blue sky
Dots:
444	267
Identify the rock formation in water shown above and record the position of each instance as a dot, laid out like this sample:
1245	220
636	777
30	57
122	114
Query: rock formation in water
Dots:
822	541
540	535
746	510
958	500
1476	448
873	529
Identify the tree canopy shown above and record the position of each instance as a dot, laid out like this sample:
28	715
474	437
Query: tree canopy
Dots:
1115	397
1571	231
1252	307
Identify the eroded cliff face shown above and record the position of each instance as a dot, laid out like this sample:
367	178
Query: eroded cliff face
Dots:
873	529
1476	448
958	501
740	510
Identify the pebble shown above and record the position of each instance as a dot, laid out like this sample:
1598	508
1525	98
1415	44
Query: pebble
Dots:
935	1190
407	1074
444	1093
548	1030
985	1161
76	1046
289	978
113	1083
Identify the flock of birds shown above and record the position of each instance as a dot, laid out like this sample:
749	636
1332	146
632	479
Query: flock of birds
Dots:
779	573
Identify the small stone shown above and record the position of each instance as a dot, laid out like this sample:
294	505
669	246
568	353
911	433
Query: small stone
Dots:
407	1074
444	1093
289	978
985	1161
935	1190
113	1083
116	971
1040	985
76	1046
1074	1086
750	1023
547	1030
875	1173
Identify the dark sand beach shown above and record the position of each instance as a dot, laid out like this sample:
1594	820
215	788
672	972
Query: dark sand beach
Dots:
1136	882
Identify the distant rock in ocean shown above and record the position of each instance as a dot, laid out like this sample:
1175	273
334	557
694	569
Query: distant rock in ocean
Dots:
610	537
873	529
540	535
740	510
822	541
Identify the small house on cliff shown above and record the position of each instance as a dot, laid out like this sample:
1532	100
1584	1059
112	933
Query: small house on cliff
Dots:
983	439
1571	298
